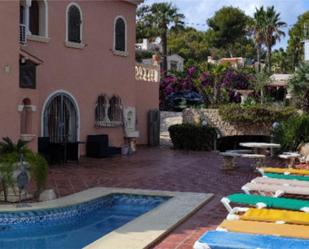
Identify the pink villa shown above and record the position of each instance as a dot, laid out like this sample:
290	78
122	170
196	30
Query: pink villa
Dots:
68	70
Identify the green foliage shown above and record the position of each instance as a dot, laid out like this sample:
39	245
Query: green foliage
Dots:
190	44
140	55
292	132
192	137
9	157
252	114
229	25
297	36
299	84
156	20
281	63
267	28
8	146
39	169
261	81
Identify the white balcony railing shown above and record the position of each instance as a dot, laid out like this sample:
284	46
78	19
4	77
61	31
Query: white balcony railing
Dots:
22	33
147	73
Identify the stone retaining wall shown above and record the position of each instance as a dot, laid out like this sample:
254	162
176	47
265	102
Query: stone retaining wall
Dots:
212	117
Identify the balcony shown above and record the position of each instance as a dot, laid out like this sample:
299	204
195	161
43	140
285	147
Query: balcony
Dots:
149	73
22	33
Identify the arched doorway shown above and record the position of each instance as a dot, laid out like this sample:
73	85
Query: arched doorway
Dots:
60	119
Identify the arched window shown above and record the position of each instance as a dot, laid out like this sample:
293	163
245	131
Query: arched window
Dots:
115	109
34	22
74	23
101	109
38	17
120	35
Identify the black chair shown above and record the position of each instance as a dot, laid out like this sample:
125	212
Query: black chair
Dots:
44	148
97	146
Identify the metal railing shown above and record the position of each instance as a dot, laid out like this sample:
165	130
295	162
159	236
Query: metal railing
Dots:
22	33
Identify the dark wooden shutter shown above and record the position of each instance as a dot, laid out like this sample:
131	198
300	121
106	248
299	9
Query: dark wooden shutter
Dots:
34	18
27	75
120	35
74	25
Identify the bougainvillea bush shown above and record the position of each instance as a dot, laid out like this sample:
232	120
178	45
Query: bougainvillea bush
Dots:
217	85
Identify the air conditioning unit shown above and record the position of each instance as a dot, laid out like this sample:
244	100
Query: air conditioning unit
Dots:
22	34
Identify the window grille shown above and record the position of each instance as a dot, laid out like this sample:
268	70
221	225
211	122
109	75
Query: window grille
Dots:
108	112
115	109
102	109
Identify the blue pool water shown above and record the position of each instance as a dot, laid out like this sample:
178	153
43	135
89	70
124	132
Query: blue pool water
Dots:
72	227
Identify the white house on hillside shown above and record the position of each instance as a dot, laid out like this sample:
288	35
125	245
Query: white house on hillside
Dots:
174	62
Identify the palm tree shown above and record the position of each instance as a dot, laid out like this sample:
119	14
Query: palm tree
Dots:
160	17
272	31
258	32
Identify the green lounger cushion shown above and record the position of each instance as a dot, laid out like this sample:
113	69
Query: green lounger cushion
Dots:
291	177
271	202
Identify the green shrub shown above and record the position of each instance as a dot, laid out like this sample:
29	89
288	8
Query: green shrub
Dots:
39	170
299	84
235	113
10	153
192	137
292	132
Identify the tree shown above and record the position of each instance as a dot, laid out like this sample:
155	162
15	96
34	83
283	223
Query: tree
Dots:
299	85
297	35
281	62
272	31
189	43
257	27
156	20
228	25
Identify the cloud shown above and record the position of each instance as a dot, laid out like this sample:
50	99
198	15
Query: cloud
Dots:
198	11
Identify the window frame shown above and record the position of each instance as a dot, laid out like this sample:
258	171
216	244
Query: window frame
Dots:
71	43
43	35
119	52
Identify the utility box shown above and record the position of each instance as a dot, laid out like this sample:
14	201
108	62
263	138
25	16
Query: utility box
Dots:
154	128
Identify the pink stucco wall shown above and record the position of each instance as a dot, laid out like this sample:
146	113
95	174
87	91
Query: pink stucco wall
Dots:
9	89
84	73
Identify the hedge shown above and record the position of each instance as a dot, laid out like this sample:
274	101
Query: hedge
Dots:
192	137
235	113
293	132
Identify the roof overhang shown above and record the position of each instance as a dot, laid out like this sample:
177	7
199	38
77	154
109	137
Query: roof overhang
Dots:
135	2
26	55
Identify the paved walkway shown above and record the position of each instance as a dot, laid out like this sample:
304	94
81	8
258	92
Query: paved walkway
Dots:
160	169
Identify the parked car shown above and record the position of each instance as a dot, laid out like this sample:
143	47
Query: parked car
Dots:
180	100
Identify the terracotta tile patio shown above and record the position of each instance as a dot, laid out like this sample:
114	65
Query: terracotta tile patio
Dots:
160	169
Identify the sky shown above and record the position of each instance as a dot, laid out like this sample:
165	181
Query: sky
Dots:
198	11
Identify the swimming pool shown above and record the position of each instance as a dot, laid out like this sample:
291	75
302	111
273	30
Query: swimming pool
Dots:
73	226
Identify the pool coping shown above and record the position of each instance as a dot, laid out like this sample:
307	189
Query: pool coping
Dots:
141	232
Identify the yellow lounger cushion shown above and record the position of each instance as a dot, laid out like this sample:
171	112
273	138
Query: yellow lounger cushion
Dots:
273	215
282	171
255	227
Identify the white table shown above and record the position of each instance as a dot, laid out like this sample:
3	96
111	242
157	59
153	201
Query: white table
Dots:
290	157
260	148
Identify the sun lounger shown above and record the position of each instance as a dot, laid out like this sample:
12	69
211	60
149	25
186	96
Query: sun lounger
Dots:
230	240
269	215
284	171
274	181
265	202
290	177
266	228
275	190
